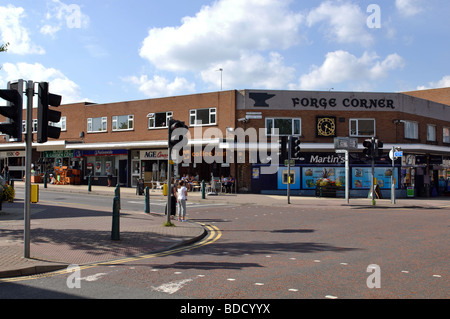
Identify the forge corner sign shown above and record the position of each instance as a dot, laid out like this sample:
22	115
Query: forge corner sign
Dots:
335	101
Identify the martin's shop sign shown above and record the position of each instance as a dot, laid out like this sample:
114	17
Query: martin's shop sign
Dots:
322	159
339	101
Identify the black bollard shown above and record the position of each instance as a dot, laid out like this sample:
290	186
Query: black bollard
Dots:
117	193
203	189
115	232
147	200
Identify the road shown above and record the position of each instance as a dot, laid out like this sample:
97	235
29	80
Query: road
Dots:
271	252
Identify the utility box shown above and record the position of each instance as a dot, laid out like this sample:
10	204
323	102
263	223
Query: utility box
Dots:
34	198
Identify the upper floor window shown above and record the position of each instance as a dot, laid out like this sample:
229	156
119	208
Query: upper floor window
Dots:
159	120
285	126
34	127
446	135
97	124
411	130
122	122
202	117
362	127
431	133
61	124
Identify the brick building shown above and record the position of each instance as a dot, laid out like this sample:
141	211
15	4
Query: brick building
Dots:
419	127
128	140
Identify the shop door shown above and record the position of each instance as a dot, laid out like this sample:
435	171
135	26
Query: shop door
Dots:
123	173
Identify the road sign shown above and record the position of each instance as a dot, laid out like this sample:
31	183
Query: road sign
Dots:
394	154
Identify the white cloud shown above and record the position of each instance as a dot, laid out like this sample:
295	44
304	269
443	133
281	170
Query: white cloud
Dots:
343	22
14	33
341	66
221	32
58	82
251	70
159	86
442	83
409	7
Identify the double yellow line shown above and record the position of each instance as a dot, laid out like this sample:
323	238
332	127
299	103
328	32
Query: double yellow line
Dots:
214	234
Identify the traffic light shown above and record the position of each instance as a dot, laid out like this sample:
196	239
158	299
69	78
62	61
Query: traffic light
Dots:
295	147
378	148
177	130
368	148
45	114
13	110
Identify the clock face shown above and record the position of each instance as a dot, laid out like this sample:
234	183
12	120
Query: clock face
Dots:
326	126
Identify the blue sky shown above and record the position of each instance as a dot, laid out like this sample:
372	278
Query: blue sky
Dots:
113	50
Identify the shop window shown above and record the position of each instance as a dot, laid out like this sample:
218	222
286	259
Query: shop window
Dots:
284	126
431	133
101	165
159	120
200	117
411	130
97	124
362	127
122	123
446	135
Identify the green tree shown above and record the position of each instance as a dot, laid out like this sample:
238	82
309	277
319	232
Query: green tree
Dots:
4	47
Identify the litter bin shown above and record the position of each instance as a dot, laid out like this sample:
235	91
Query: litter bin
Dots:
165	190
140	187
34	198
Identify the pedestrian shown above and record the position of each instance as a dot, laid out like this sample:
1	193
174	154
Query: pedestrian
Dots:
181	201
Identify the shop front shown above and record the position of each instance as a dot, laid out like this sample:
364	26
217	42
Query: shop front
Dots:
149	165
105	167
14	163
315	172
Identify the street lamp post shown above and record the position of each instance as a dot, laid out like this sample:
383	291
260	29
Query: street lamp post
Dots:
221	73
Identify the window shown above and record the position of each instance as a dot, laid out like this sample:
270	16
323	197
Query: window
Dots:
411	130
446	134
34	128
284	126
431	133
202	117
61	124
362	127
159	120
97	124
122	123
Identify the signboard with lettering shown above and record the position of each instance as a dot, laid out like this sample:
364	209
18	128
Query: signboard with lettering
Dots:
154	155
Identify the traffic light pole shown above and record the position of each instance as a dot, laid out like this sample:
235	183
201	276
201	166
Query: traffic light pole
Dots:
28	152
169	187
373	181
289	170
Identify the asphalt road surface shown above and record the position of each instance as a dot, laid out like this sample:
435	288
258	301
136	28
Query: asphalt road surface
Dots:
270	252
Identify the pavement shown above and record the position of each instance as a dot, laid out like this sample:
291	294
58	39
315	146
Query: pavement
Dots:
64	235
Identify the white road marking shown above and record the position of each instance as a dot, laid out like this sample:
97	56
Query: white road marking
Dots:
172	287
93	277
331	297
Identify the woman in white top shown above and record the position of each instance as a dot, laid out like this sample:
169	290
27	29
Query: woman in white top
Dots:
181	201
